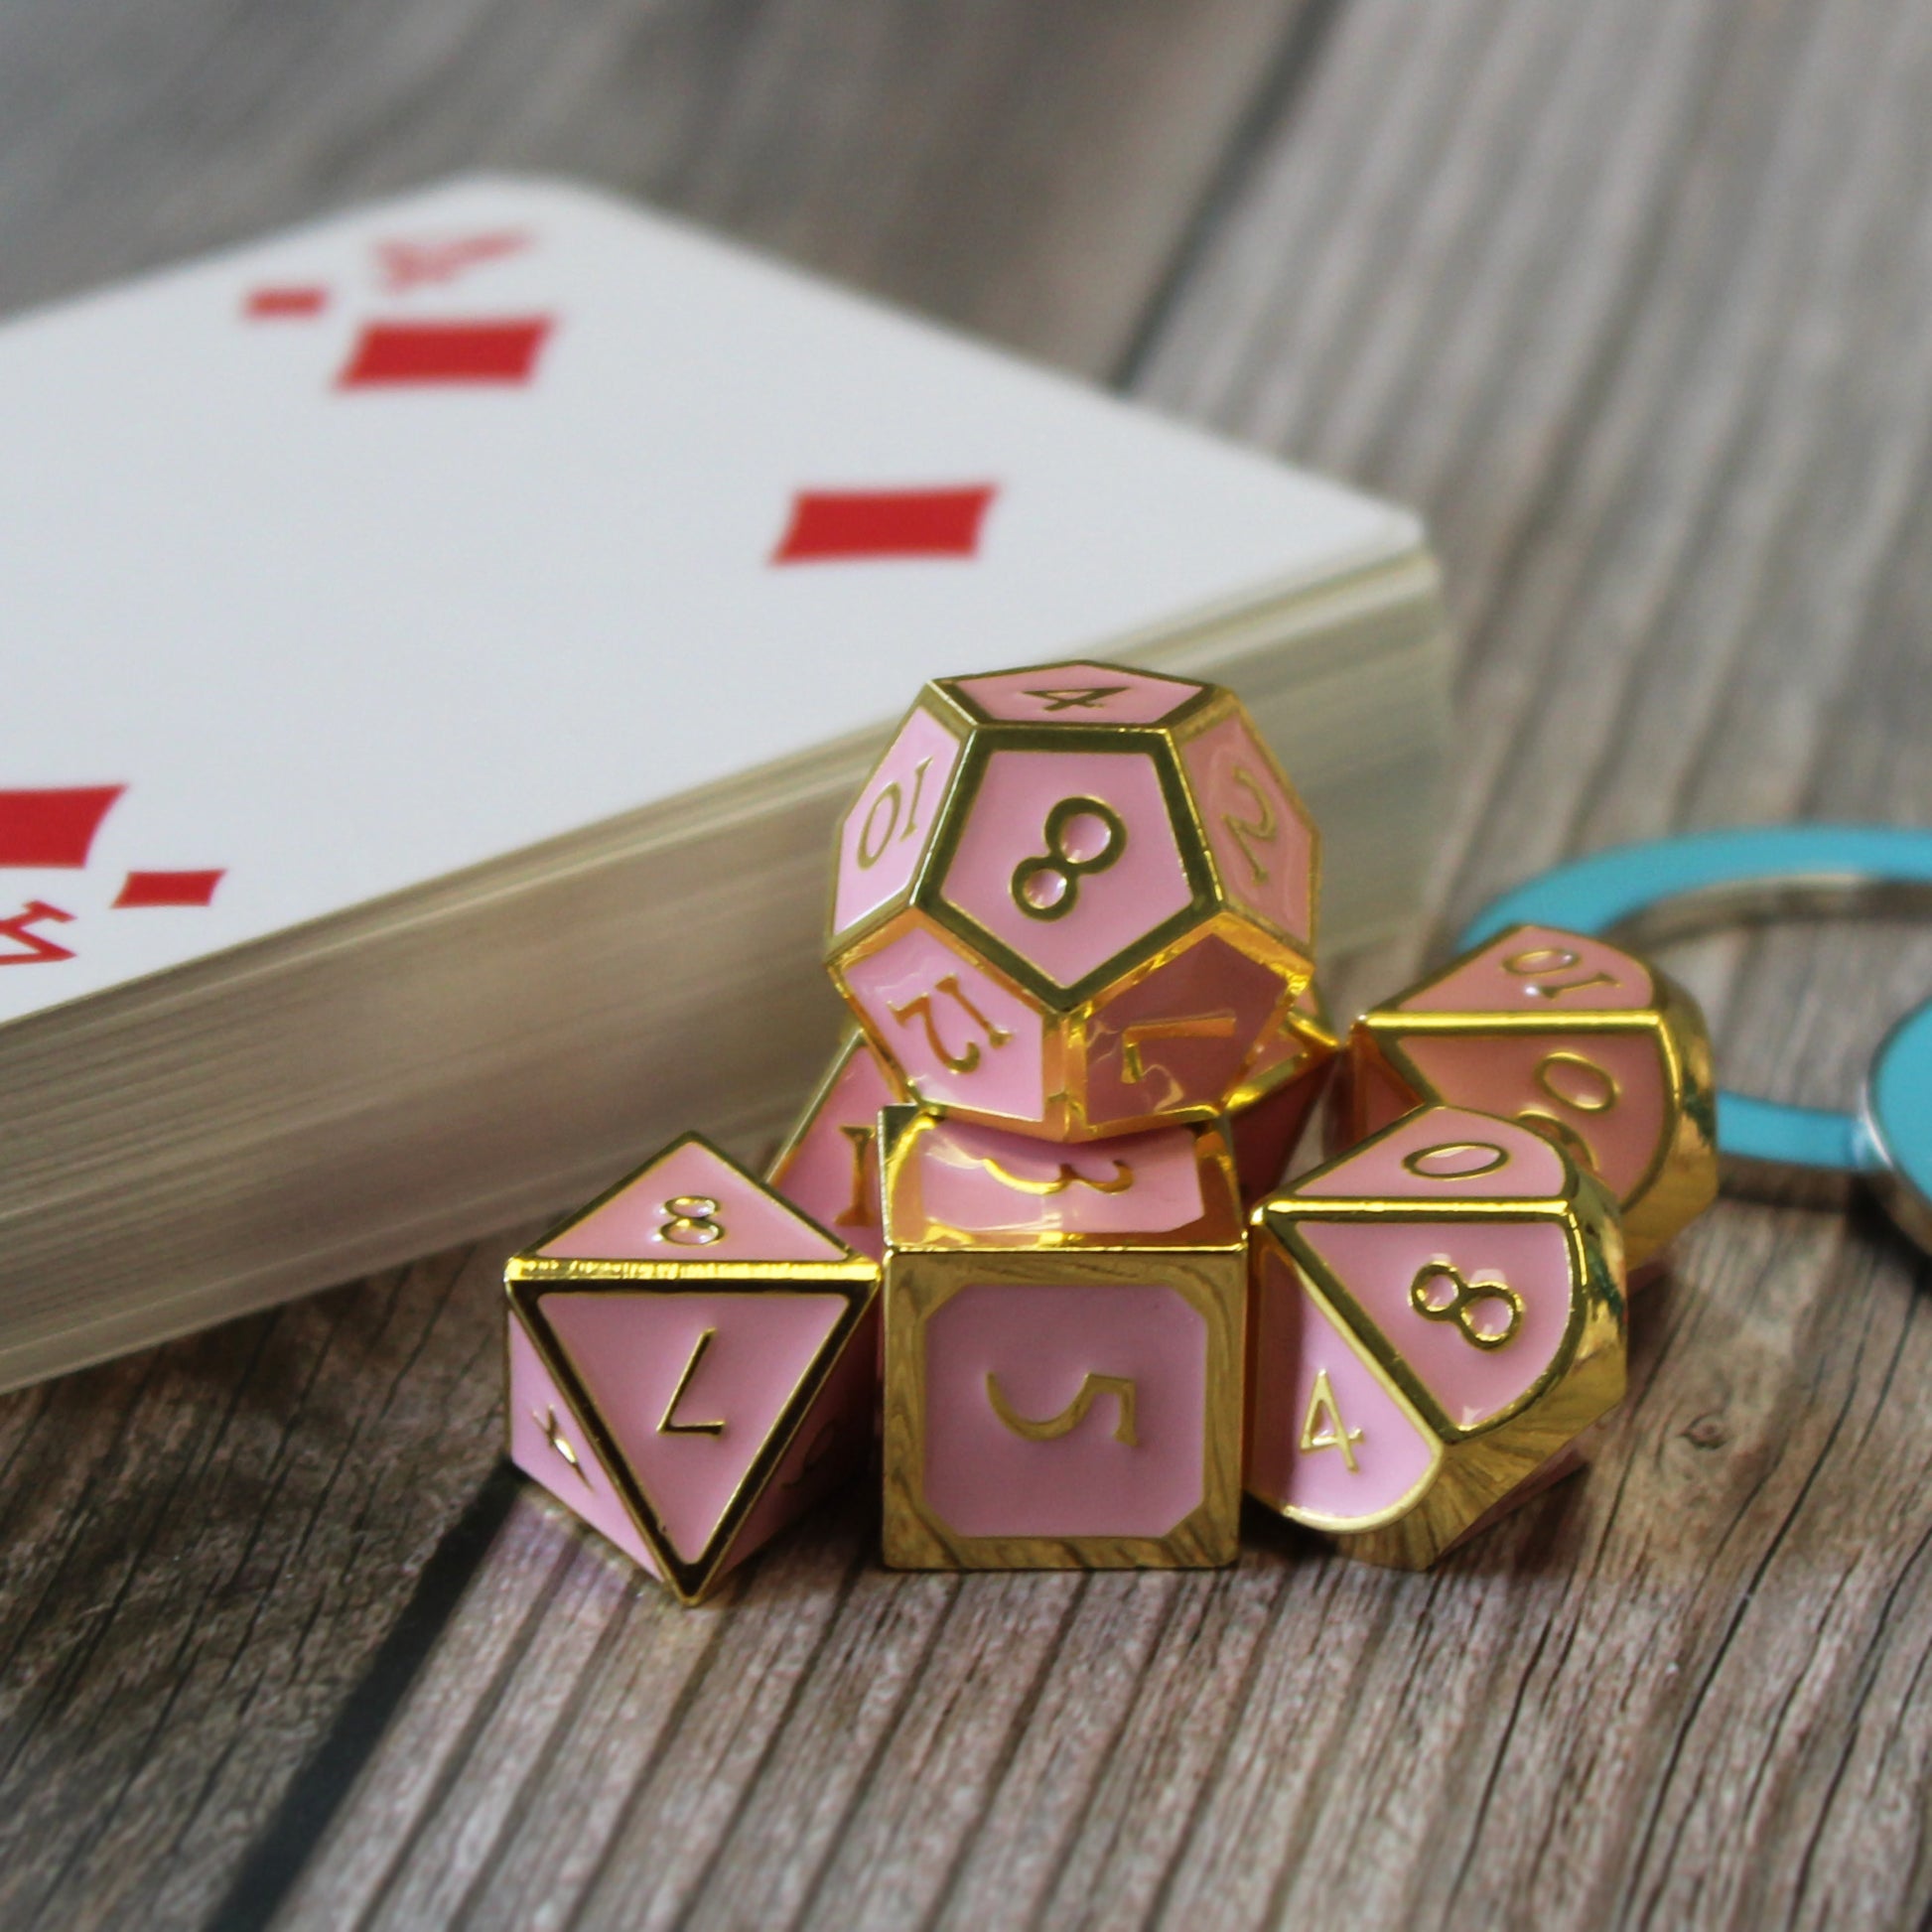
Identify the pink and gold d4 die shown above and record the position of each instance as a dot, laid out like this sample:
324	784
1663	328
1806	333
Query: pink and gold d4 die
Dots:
1590	1046
1063	1342
692	1363
1073	901
1437	1317
829	1164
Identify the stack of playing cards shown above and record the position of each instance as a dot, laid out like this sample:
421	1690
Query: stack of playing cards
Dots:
440	643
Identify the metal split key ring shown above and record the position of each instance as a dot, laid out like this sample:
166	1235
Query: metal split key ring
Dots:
1667	887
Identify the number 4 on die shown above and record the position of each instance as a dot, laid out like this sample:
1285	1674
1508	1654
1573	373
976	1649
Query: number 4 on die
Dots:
692	1363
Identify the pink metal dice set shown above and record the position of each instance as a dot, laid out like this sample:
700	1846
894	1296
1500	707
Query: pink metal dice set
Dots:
1032	1250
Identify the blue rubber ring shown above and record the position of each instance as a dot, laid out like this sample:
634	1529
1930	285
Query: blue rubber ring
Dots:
1605	890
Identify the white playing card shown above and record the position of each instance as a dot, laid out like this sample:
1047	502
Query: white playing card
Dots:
345	562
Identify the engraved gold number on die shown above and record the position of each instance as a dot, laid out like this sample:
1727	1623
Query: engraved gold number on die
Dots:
1537	963
872	848
1056	861
689	1221
1466	1297
552	1433
1068	1176
1323	1427
1262	826
670	1426
1092	1387
857	1212
1193	1025
921	1008
1076	697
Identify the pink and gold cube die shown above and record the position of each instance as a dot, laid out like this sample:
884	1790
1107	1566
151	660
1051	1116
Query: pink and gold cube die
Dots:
1274	1105
829	1165
692	1363
1073	901
1063	1338
1437	1317
1590	1046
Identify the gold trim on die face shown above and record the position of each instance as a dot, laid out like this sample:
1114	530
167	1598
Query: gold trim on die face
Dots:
531	1277
909	1229
926	1266
1479	1466
1680	1179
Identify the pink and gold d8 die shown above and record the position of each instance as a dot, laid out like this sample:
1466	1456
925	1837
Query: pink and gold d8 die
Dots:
1598	1051
692	1363
1073	901
829	1164
1274	1104
1064	1342
1437	1317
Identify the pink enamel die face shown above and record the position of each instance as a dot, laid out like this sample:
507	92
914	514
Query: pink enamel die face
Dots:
885	833
961	1038
1606	1091
1261	835
1062	1410
1334	1443
831	1167
1077	694
690	1204
1069	859
1004	1189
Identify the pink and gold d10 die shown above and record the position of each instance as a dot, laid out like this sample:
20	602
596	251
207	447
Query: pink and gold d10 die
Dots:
1073	901
691	1364
1437	1317
1063	1342
829	1165
1594	1049
1274	1104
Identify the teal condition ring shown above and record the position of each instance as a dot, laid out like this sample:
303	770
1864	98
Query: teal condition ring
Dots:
1668	886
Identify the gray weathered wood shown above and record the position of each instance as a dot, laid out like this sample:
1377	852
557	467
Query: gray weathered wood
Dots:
1634	302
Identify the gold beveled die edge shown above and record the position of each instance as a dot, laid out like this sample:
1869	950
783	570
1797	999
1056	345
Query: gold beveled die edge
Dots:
533	1264
1221	1229
969	707
940	707
1211	1281
1265	1247
927	892
692	1580
1196	722
1321	1046
853	1041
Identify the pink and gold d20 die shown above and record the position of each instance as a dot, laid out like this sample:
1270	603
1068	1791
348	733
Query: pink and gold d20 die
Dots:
1273	1106
692	1363
1063	1342
1437	1317
1598	1051
829	1165
1073	901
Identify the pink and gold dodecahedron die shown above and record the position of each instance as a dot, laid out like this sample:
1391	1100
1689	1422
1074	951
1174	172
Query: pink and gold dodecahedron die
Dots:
1074	902
692	1363
1437	1316
1274	1104
1063	1339
1601	1052
829	1164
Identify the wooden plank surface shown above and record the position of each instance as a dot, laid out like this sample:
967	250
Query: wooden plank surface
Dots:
1635	303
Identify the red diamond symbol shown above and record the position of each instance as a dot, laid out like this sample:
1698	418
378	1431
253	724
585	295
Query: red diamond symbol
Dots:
169	888
394	355
54	827
841	525
280	304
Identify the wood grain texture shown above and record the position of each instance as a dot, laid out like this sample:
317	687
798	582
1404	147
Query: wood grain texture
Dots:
1635	303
